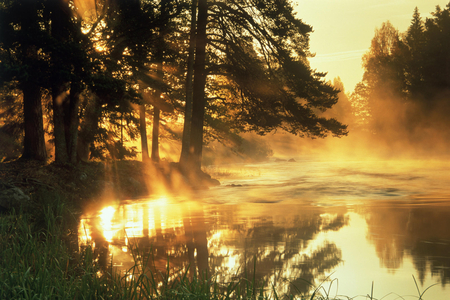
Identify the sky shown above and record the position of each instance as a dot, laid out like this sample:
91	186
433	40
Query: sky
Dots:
343	30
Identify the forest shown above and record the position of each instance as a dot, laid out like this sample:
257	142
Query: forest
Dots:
85	79
84	83
91	80
402	101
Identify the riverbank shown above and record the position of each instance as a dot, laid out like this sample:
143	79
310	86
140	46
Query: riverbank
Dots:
93	182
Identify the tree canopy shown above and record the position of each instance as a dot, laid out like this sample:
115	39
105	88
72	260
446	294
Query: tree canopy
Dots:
405	86
90	65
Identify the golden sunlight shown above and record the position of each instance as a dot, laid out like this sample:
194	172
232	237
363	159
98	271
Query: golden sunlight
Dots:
106	216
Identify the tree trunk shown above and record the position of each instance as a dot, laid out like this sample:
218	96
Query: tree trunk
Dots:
72	121
60	12
89	125
155	134
199	101
143	131
159	59
58	97
189	76
34	139
76	88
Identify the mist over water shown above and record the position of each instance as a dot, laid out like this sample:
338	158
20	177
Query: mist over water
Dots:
359	221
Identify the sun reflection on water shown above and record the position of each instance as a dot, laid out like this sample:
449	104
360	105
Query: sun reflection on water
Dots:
234	228
106	216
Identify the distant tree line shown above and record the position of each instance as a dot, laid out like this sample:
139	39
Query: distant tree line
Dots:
405	90
89	76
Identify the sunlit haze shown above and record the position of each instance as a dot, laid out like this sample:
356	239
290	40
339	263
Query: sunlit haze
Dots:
343	30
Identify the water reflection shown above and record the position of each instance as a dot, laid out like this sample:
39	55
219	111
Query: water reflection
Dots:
225	240
417	231
365	222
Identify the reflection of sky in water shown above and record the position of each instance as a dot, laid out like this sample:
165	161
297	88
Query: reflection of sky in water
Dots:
359	222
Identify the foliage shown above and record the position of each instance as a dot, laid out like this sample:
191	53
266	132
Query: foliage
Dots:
11	128
116	55
258	56
404	89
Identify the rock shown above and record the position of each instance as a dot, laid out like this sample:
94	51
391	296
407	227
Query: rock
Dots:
279	159
292	160
12	197
83	176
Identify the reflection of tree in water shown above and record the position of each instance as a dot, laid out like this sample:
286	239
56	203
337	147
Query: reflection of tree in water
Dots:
227	244
386	230
420	231
280	248
314	267
430	241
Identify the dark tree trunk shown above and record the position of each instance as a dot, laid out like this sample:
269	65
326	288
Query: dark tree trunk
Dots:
58	97
199	101
34	140
143	131
60	13
189	76
72	121
159	59
155	134
89	126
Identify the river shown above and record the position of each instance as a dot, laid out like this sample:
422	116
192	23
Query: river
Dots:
354	227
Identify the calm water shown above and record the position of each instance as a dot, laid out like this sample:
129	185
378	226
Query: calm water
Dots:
379	222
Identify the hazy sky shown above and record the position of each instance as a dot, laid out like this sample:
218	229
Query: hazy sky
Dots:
343	30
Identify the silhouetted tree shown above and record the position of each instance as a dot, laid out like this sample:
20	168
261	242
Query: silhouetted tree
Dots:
199	96
343	110
142	37
436	61
255	51
259	51
189	86
383	81
11	123
414	64
406	80
21	38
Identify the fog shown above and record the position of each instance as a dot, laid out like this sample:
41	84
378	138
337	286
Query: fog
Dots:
396	130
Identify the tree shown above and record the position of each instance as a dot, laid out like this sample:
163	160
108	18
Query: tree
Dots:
199	97
185	145
415	41
259	51
144	52
23	64
11	123
406	80
436	65
343	110
383	84
60	32
62	67
253	51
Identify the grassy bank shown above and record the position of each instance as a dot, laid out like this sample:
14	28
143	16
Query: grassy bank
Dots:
40	259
